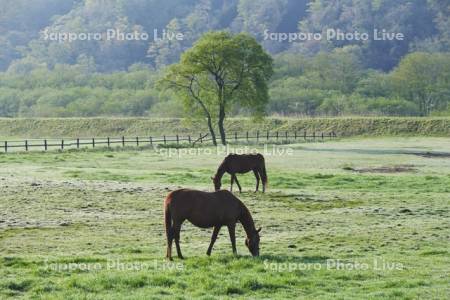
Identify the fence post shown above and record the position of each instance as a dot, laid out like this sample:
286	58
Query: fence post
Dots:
277	136
267	134
26	145
295	135
189	139
108	141
151	141
165	141
6	146
137	141
247	136
45	145
123	141
178	139
304	135
322	136
314	135
235	136
78	143
201	138
257	136
287	136
62	144
330	135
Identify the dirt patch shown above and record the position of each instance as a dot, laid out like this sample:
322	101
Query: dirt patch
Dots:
433	154
387	169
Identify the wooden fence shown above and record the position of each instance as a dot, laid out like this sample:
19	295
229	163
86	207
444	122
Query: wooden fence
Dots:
61	144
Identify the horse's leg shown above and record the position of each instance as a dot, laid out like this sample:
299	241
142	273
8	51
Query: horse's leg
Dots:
231	230
257	179
263	176
176	234
237	182
232	181
213	239
169	243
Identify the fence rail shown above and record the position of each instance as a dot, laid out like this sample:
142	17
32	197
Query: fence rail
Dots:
77	143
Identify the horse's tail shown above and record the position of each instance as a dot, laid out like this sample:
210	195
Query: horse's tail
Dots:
167	218
263	172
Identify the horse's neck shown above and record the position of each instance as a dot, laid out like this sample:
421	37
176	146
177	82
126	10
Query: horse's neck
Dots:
247	221
220	172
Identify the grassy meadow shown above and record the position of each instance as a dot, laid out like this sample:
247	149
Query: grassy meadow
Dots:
355	218
30	128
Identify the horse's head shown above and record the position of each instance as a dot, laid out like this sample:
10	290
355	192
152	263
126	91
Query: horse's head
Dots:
217	183
252	243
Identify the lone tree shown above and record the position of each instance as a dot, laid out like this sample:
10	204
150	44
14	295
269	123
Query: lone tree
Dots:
222	70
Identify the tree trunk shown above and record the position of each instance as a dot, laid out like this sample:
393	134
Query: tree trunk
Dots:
211	131
221	128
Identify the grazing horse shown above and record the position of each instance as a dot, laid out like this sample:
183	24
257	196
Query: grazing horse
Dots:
206	210
239	164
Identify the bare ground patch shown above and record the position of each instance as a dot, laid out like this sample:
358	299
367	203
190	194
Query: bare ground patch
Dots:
384	169
429	154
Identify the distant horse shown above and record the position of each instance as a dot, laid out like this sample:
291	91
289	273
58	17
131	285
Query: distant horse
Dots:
239	164
208	210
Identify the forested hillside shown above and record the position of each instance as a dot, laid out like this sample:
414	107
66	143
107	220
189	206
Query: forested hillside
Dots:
41	76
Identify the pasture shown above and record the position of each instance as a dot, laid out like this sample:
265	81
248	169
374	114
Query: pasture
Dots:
345	219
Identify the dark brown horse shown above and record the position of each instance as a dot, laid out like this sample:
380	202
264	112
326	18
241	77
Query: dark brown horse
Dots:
239	164
208	210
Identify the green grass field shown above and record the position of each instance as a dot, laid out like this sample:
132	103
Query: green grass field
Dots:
347	219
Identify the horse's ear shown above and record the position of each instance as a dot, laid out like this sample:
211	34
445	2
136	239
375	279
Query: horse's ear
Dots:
259	230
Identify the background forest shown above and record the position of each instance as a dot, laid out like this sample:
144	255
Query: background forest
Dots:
44	78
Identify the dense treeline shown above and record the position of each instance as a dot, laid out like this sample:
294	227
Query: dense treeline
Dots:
73	91
41	77
328	84
336	84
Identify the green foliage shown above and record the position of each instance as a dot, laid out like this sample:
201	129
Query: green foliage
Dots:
101	77
69	91
415	20
219	71
424	79
335	84
328	84
375	84
20	22
424	23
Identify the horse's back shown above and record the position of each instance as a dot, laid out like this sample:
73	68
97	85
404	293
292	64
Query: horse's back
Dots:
237	163
203	209
188	196
245	156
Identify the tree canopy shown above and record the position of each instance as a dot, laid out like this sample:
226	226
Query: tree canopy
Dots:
219	71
